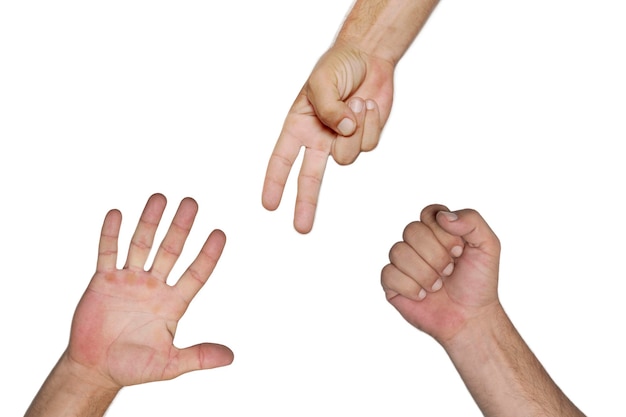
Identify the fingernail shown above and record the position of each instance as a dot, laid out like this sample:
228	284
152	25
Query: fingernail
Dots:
456	251
437	285
421	295
450	216
346	127
370	104
448	270
356	105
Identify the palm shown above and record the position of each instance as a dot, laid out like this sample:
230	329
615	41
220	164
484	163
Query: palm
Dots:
304	127
126	323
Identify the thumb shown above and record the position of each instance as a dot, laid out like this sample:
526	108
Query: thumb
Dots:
329	107
203	356
471	226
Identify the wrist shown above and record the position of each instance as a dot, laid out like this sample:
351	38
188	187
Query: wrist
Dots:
500	371
385	30
479	332
370	46
72	389
89	379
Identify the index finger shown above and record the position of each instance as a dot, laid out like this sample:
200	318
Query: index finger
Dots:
202	267
283	156
454	244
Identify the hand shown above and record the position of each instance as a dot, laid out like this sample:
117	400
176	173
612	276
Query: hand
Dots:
445	271
124	325
341	110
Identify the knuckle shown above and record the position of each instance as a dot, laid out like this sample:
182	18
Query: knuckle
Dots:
413	230
385	274
396	251
431	210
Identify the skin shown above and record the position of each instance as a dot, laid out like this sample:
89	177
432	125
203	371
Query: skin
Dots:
124	325
346	101
459	255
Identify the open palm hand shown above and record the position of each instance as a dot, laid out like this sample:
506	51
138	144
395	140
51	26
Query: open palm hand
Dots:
124	326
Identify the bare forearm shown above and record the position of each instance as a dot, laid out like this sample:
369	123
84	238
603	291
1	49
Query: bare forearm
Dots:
65	393
503	375
385	28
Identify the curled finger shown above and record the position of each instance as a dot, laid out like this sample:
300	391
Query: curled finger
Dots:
395	282
414	266
346	149
423	241
372	127
453	243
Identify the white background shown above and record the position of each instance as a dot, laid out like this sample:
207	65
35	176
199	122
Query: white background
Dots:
515	109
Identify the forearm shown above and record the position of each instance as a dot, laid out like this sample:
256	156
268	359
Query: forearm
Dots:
385	28
68	393
502	374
